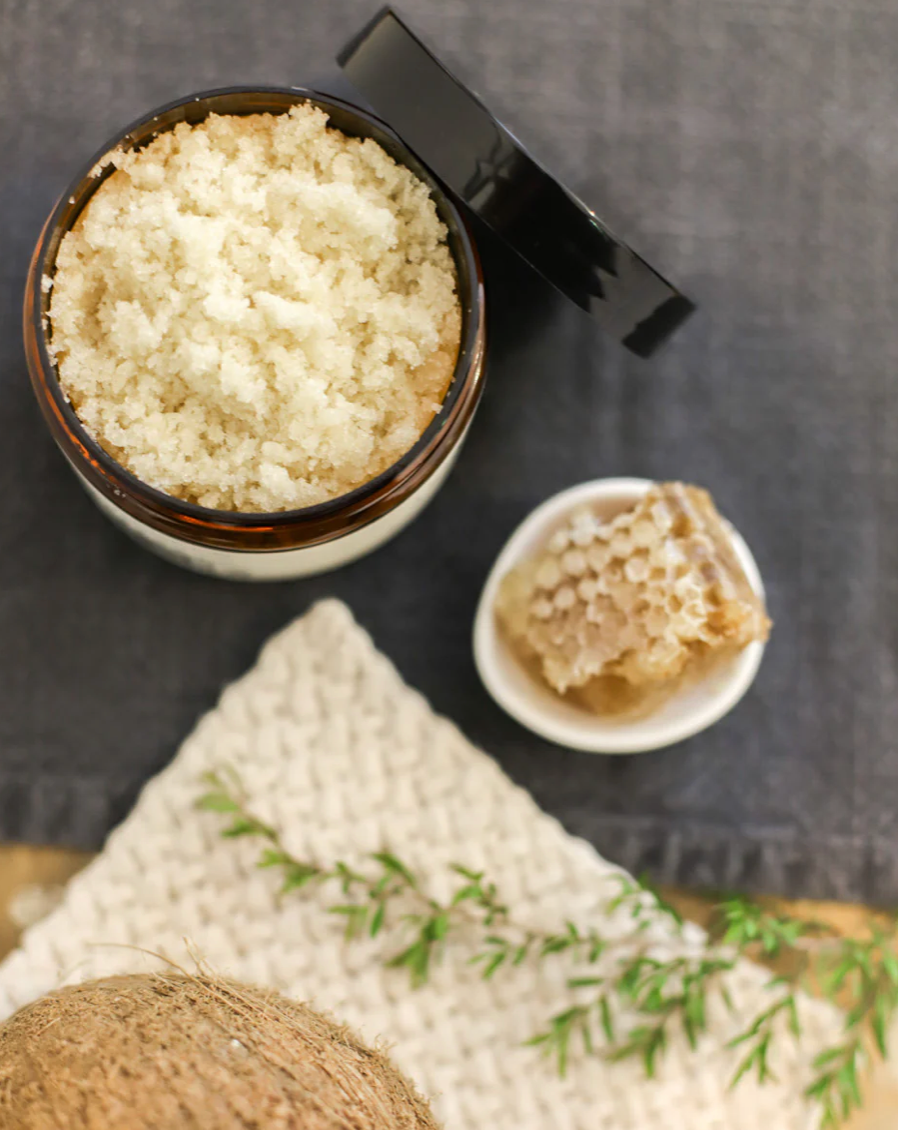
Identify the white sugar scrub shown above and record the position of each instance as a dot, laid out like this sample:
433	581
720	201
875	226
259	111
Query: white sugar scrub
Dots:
256	313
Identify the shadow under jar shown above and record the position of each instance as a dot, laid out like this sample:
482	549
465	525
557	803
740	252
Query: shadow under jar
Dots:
291	543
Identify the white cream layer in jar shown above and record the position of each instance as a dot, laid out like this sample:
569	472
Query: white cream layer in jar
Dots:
283	564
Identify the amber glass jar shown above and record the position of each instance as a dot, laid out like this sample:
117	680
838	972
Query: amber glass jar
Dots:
291	543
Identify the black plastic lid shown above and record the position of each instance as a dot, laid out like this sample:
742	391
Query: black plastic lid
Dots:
451	130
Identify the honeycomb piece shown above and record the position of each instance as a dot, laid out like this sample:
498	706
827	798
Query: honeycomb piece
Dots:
636	599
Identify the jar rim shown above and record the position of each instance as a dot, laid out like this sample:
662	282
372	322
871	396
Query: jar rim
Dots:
469	276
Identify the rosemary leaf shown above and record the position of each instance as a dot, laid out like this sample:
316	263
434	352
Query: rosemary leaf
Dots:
296	875
377	920
217	802
246	826
393	865
606	1019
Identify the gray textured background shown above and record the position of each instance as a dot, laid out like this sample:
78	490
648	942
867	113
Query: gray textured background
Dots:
751	151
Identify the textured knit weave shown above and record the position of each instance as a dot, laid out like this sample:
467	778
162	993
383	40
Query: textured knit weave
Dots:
336	751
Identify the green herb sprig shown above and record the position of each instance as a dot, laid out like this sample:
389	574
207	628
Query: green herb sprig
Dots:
628	998
368	891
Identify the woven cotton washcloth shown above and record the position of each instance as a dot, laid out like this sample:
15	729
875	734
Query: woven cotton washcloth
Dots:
337	752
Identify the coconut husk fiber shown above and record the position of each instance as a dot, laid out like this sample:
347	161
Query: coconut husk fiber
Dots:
180	1052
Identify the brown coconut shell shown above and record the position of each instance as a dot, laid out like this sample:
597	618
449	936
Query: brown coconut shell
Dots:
175	1052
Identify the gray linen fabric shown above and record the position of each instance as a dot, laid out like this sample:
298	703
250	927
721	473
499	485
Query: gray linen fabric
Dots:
750	150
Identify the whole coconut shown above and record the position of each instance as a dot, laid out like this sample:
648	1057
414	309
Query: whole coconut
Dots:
172	1052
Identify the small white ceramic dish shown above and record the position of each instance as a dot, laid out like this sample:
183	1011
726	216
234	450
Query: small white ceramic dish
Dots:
538	708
